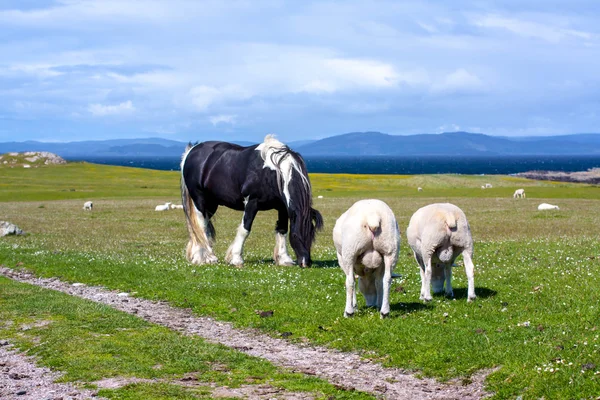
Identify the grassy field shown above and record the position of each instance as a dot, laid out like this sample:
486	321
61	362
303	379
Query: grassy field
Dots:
535	320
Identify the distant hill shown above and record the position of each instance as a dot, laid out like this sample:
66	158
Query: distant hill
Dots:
450	143
29	159
349	144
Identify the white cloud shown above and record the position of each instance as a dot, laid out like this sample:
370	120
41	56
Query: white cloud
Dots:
101	110
536	30
204	96
460	80
448	128
329	75
222	118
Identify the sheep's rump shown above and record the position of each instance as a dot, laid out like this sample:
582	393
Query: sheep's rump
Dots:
369	231
439	229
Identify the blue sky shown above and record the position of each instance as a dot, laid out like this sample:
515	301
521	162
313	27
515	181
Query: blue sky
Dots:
236	70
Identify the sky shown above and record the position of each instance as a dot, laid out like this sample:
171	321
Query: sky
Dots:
236	70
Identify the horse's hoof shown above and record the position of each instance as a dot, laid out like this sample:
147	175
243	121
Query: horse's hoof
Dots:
470	299
348	315
285	263
384	315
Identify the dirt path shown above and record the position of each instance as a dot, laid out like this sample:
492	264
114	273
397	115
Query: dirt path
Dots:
21	379
347	370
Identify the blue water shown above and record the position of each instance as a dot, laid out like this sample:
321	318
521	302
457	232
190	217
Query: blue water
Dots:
400	165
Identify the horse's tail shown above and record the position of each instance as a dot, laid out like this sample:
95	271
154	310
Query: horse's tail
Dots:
193	218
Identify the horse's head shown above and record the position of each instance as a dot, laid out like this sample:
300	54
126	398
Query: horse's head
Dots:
294	187
303	228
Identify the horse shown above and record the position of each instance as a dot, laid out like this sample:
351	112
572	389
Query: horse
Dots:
264	176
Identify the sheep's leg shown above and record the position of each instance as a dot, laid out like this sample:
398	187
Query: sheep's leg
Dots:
470	270
379	284
280	254
426	279
437	278
389	264
448	273
350	294
234	253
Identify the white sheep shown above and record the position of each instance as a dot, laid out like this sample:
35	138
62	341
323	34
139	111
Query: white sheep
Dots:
319	197
546	206
88	205
419	189
438	234
482	186
519	193
177	206
367	241
163	207
488	185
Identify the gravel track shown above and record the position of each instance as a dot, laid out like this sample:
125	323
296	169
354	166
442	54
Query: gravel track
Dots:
346	370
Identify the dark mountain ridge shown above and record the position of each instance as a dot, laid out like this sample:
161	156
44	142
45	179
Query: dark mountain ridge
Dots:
348	144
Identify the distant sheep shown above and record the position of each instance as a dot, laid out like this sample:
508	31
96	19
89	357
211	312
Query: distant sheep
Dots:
519	193
488	186
163	207
483	186
546	206
367	241
177	206
319	197
88	205
438	234
419	189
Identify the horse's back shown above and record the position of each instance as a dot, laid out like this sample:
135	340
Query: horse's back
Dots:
218	168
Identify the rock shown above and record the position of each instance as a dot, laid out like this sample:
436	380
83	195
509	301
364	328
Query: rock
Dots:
6	228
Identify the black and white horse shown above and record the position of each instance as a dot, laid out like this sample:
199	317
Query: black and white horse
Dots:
265	176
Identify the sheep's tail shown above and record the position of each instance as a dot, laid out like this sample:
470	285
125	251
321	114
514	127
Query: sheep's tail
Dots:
193	219
373	222
450	220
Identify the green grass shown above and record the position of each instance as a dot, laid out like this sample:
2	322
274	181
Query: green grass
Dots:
531	266
89	342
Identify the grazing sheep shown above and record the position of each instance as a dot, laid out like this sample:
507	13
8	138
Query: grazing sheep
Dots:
319	197
367	240
419	189
488	186
546	206
88	205
163	207
482	186
438	234
177	206
519	193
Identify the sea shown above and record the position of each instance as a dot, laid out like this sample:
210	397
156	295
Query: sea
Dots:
406	165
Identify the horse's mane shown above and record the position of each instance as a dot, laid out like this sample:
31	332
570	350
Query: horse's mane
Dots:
301	202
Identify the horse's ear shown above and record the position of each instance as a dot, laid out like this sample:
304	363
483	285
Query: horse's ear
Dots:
317	218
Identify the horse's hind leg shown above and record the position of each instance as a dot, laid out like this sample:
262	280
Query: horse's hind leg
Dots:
280	254
234	253
199	248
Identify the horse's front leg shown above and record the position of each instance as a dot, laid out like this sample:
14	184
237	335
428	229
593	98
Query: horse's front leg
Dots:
234	253
280	254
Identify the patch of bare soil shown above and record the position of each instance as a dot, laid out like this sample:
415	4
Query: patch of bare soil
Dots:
346	370
21	379
591	176
253	392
